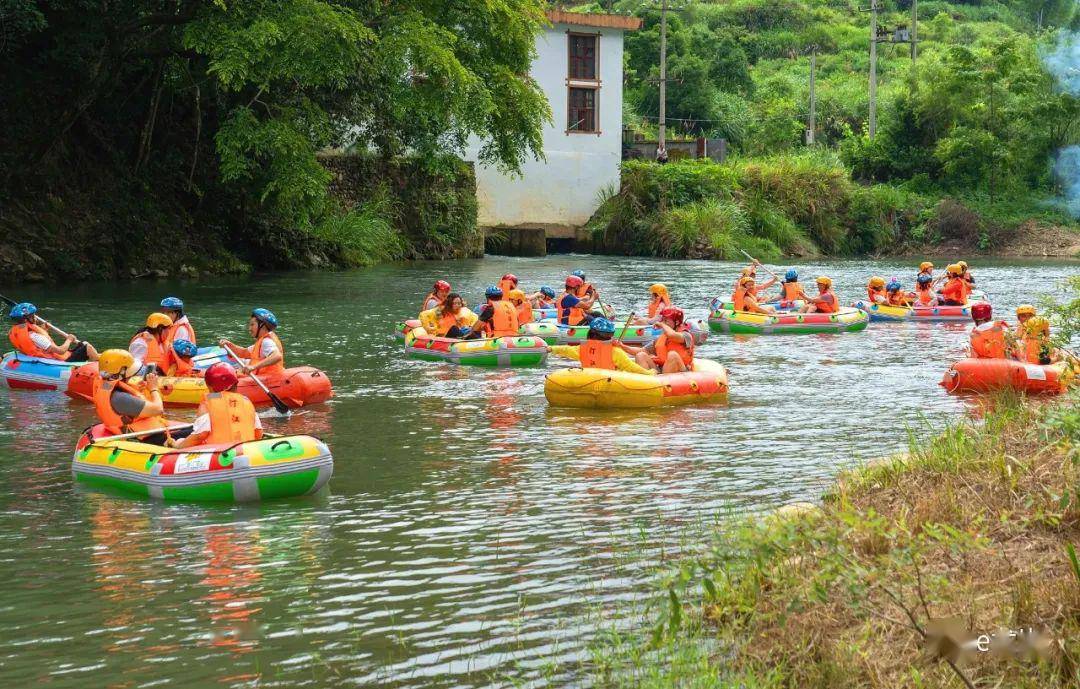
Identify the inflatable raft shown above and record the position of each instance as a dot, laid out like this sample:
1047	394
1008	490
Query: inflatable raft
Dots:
718	304
743	323
33	373
595	388
297	387
554	334
518	351
925	314
985	375
273	467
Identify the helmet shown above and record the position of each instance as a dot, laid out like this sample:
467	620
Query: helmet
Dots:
23	310
158	320
547	292
265	316
823	280
877	281
744	281
172	304
185	348
511	277
1025	310
926	265
116	362
792	275
981	311
674	313
963	265
925	279
574	281
220	377
516	294
493	292
602	325
1037	326
580	274
893	286
441	285
954	269
658	288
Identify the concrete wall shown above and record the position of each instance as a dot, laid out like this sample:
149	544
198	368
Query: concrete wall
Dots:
563	190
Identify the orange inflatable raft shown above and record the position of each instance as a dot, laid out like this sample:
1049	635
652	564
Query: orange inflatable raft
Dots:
297	387
985	375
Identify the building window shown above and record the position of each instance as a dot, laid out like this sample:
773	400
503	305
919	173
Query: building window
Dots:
582	110
582	56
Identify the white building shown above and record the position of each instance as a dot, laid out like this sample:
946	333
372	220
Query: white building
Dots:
579	67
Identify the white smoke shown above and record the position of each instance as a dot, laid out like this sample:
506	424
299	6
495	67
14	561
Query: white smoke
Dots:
1063	63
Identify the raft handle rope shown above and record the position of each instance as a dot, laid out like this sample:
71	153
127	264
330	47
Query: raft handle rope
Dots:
609	380
186	451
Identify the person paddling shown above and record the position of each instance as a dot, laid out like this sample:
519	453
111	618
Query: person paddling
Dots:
149	346
29	338
826	300
125	405
746	298
895	294
599	351
266	356
224	415
586	288
925	268
573	310
437	296
181	328
987	337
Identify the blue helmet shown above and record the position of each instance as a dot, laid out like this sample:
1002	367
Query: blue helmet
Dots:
579	273
792	275
893	286
23	310
265	316
185	348
925	279
172	303
602	325
547	292
493	292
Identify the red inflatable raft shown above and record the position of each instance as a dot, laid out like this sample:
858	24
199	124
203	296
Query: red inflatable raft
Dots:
297	387
985	375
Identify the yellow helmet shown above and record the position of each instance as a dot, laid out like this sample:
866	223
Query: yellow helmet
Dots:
926	265
954	269
827	281
1025	310
1037	326
158	320
746	281
877	281
516	294
658	288
116	362
963	265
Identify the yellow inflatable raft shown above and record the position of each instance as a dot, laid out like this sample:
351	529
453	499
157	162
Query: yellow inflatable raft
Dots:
596	388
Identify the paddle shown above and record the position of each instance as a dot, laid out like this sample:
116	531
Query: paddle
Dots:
618	340
760	264
39	319
136	434
279	406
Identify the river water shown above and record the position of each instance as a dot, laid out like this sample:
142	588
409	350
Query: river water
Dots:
470	533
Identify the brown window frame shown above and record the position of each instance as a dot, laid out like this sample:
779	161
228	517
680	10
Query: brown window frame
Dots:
570	60
593	84
595	91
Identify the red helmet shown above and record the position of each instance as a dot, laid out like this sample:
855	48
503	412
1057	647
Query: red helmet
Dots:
574	281
220	377
674	313
981	311
441	285
511	277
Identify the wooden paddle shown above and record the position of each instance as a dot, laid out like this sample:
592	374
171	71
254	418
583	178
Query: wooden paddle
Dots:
281	407
760	264
618	340
136	434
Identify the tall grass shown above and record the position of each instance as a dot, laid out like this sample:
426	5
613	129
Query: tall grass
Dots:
364	235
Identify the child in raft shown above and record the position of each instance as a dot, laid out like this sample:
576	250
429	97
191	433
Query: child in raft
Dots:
524	308
924	291
598	350
791	289
180	359
956	289
498	317
745	298
895	294
573	310
875	291
987	337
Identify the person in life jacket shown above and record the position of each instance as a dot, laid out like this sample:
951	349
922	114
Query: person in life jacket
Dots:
181	328
895	294
508	283
266	356
966	274
125	405
956	290
544	299
790	288
673	351
29	338
572	309
498	317
524	308
598	350
225	417
437	295
180	355
1024	313
987	336
585	289
745	298
750	271
925	268
826	300
924	291
659	300
451	319
1035	347
149	345
875	291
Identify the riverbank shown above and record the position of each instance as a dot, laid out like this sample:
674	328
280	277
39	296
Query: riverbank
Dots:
977	526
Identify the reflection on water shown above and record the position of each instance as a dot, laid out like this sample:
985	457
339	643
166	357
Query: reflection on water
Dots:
468	525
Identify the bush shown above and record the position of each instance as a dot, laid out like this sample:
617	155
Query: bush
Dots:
364	235
879	217
709	229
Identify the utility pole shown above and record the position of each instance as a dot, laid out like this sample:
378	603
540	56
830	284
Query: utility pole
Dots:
914	30
873	67
661	144
813	98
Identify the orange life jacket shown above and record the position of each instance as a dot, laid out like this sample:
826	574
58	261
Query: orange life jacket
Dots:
955	290
170	332
275	369
792	291
20	339
179	366
597	354
830	305
446	321
572	316
503	322
925	297
583	290
739	298
988	340
658	305
506	286
663	346
873	294
1032	348
898	298
232	418
156	353
524	313
115	423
